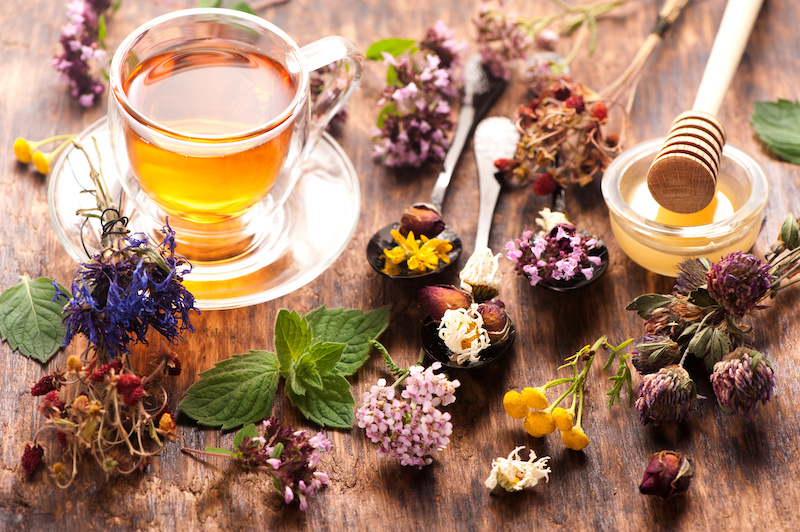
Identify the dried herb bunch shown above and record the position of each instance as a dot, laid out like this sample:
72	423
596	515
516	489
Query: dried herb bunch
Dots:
704	317
99	405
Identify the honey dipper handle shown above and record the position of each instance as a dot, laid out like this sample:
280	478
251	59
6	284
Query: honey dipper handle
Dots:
734	30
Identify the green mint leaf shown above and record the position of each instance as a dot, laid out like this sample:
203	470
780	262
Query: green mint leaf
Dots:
303	375
391	75
325	355
30	321
778	125
354	327
646	304
209	3
248	431
702	298
392	46
330	406
235	392
292	338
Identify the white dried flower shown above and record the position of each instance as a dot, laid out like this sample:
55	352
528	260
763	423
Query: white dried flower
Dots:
549	219
481	275
514	474
462	331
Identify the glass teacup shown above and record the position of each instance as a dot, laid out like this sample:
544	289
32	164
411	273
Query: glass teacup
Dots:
211	117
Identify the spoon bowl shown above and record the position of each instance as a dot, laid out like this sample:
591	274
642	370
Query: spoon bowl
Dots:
436	350
598	250
383	240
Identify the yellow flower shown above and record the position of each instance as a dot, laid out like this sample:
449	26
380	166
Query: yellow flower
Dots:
563	419
534	398
515	405
22	149
440	248
42	162
74	363
418	258
539	424
575	439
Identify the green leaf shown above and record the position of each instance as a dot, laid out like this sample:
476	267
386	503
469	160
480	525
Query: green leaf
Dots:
292	338
101	28
354	327
391	75
719	345
218	450
700	342
392	46
386	111
248	431
303	375
646	304
790	232
778	125
330	406
702	298
325	355
242	6
209	3
30	321
235	392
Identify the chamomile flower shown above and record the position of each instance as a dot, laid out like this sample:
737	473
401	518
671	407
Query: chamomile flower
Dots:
514	474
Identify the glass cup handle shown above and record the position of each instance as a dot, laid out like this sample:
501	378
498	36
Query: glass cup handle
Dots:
345	62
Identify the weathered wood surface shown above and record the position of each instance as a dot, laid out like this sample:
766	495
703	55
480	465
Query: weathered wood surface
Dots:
746	471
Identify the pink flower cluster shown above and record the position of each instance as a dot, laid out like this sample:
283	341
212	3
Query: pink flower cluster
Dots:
80	38
561	255
410	429
416	114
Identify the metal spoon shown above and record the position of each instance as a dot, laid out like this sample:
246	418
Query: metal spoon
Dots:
496	137
480	91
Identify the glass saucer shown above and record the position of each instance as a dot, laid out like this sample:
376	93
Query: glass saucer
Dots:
318	221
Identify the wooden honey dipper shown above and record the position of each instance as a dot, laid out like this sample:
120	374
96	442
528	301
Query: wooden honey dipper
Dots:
683	176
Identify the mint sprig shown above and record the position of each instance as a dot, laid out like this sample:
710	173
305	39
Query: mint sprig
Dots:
778	125
30	319
314	354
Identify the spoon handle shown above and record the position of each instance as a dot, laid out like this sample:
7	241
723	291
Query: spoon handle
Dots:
466	118
495	138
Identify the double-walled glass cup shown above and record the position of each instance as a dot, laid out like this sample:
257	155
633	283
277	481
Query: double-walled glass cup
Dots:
211	117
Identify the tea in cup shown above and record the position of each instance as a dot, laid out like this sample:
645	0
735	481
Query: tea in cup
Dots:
211	117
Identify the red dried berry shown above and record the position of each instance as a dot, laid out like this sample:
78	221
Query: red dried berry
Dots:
52	405
599	112
174	366
561	92
62	438
127	382
31	457
544	184
575	102
105	369
46	384
133	396
506	165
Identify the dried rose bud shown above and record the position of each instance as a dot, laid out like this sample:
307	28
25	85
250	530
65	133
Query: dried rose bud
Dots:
438	299
31	457
667	474
421	219
495	321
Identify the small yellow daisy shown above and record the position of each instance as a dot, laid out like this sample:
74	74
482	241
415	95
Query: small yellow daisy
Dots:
515	405
539	424
575	439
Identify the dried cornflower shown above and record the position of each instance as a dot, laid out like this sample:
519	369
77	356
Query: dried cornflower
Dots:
739	281
665	396
514	474
742	380
667	474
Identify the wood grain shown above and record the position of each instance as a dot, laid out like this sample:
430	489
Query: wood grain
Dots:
746	471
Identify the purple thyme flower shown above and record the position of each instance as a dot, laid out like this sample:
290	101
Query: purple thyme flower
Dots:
80	40
501	40
416	112
742	380
561	255
290	456
409	430
667	395
738	282
119	294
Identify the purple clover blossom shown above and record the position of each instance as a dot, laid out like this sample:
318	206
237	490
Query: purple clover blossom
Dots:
290	456
409	430
738	282
561	255
416	112
665	396
742	380
80	40
119	294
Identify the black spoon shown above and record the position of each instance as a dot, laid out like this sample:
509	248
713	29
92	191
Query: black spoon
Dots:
480	91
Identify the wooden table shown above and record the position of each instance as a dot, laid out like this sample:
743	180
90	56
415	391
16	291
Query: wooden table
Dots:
746	471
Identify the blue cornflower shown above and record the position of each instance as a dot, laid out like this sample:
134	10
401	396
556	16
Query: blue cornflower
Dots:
119	294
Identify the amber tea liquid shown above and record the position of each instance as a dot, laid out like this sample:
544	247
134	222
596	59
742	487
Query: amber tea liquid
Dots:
209	95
